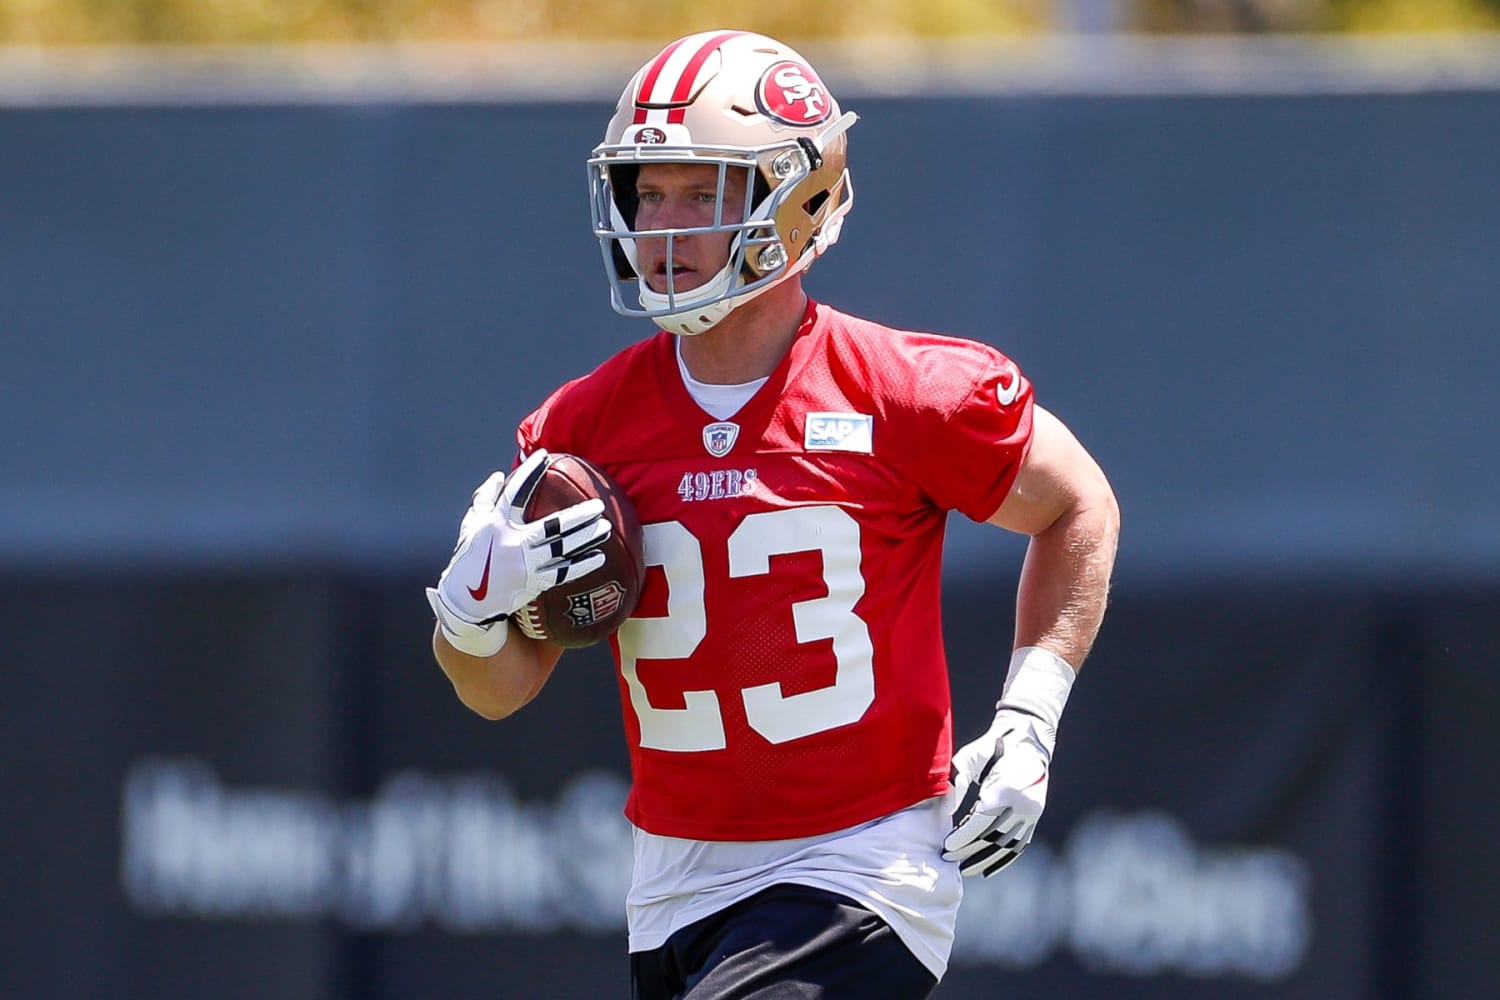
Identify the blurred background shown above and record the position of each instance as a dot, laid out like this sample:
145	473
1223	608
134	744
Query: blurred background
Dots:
266	265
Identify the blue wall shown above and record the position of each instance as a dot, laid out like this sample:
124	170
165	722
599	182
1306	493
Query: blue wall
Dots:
240	334
254	358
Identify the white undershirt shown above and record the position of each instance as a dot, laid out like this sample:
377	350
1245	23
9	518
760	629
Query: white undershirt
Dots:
892	866
719	401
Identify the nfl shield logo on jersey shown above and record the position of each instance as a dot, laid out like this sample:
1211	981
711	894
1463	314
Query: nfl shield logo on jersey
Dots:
719	438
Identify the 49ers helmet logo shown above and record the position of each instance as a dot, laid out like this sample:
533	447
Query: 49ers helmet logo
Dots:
791	93
650	136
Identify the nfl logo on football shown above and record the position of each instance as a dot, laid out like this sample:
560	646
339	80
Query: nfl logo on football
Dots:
595	605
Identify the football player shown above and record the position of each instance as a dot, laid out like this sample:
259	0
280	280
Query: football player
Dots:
800	816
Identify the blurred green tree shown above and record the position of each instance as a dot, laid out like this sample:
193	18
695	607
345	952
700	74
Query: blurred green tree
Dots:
239	22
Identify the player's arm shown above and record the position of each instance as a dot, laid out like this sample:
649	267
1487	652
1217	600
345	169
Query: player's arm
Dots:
500	564
495	686
1063	501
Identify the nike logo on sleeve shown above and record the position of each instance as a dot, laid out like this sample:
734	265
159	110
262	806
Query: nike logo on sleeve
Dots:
1006	394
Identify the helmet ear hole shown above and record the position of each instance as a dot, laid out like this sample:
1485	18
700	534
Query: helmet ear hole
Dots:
622	263
762	190
622	179
813	204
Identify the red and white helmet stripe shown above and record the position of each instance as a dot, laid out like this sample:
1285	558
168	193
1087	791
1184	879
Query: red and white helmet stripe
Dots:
673	76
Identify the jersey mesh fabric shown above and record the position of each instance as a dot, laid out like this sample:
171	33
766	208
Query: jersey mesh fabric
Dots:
783	675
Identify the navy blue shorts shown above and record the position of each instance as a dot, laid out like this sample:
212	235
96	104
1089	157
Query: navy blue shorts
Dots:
788	941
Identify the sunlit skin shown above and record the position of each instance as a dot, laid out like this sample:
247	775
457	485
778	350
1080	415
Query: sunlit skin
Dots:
685	196
749	342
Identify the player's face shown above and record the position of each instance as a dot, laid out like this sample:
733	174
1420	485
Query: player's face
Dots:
683	196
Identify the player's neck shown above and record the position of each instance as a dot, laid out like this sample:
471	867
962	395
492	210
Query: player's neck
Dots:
750	342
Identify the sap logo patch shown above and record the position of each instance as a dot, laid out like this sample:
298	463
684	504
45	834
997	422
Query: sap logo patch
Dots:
840	432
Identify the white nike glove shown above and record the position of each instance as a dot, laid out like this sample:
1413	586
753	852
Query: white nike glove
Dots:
1000	779
502	561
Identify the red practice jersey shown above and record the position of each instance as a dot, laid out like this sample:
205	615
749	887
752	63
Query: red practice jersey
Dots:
783	675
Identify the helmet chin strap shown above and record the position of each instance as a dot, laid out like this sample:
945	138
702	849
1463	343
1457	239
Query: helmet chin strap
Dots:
690	318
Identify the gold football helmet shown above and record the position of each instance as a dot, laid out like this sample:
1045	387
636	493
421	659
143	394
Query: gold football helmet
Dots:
740	101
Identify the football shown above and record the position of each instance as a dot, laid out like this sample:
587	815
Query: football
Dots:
588	609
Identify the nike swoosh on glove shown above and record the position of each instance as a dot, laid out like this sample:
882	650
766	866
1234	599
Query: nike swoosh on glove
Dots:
502	561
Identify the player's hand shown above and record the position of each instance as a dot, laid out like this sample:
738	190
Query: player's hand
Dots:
502	561
1000	785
